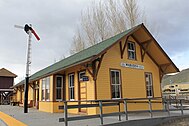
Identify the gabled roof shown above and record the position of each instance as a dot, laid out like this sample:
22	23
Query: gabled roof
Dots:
82	56
6	73
139	32
154	50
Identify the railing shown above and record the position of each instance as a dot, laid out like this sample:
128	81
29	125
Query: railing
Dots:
116	102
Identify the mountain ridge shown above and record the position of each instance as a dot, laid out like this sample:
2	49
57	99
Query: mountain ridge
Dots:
180	77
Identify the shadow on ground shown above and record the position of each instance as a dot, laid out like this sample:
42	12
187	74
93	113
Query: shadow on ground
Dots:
163	121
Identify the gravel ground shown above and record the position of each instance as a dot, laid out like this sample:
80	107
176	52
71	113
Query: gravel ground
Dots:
180	122
38	118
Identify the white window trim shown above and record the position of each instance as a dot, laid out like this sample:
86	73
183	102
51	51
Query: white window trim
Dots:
130	50
117	84
44	81
43	89
151	84
71	87
48	79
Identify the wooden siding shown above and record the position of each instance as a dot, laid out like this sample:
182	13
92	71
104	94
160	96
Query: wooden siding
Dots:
133	80
6	82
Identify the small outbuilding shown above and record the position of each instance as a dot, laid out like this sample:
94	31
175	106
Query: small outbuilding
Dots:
6	82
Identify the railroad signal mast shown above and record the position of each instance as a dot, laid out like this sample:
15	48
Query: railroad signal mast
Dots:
29	30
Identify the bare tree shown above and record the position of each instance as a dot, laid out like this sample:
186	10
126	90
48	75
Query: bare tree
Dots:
100	21
88	29
77	43
104	19
94	23
115	17
131	12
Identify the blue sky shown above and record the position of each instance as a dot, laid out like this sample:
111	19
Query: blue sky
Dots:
55	22
181	59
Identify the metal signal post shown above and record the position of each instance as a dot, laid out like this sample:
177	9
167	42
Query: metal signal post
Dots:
28	29
28	63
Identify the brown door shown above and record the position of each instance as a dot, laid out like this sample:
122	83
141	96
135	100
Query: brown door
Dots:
37	98
82	91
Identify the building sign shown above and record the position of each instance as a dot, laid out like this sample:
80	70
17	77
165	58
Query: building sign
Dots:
135	66
84	78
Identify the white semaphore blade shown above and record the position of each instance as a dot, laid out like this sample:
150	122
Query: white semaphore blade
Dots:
18	26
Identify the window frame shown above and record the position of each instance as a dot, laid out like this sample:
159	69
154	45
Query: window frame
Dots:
71	87
48	81
151	85
130	50
120	83
45	89
60	88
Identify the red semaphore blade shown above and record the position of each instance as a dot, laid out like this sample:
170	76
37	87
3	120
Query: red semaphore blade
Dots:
35	34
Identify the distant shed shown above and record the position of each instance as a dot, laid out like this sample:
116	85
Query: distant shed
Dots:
6	82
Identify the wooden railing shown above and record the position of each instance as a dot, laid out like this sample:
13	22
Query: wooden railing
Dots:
116	102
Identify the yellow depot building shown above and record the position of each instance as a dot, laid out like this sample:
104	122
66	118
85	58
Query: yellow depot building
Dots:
128	65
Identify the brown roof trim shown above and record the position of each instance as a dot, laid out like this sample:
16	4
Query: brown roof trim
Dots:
147	31
127	35
6	73
137	41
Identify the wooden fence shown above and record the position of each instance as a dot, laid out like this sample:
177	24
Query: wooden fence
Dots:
116	102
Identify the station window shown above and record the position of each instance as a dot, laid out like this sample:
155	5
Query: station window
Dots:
59	83
149	85
71	86
45	89
131	51
115	84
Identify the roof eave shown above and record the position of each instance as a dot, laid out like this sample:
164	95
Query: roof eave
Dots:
61	69
165	54
90	58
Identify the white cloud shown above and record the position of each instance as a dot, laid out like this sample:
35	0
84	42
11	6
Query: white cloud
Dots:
181	60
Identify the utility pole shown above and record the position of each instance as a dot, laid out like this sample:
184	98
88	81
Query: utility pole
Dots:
28	29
